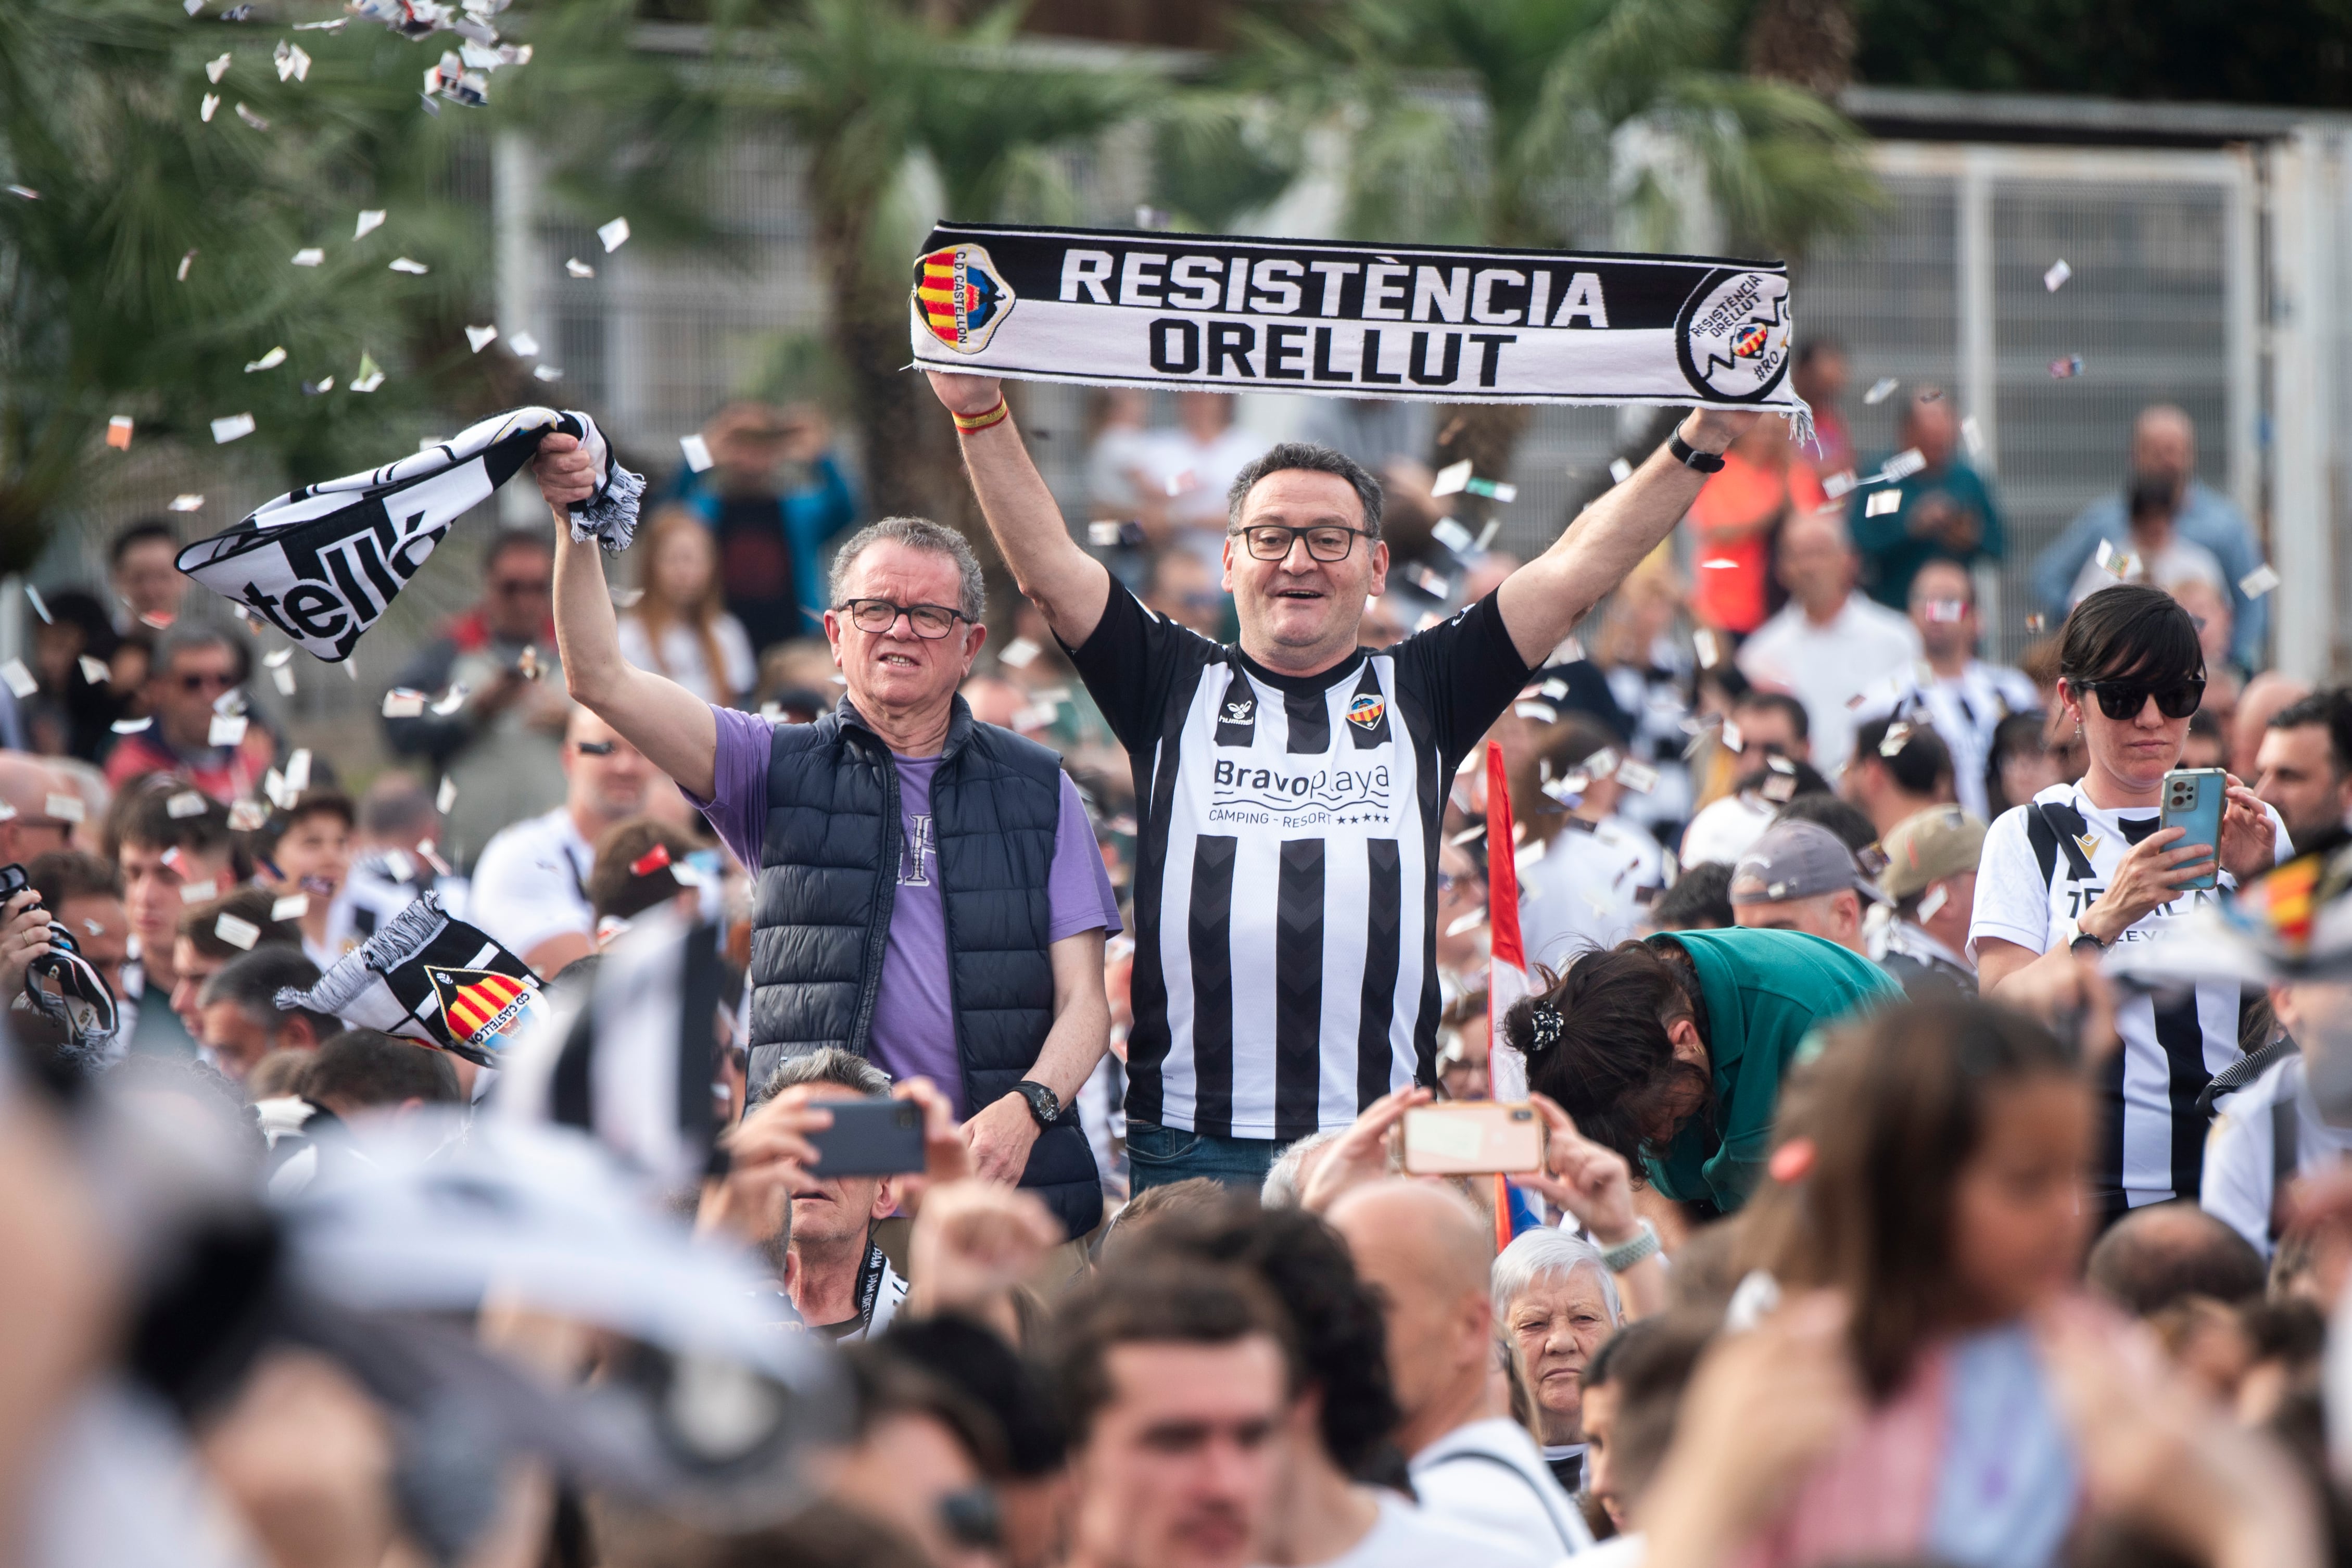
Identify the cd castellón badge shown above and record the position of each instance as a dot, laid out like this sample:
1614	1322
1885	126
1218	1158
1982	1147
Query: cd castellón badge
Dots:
960	297
1733	334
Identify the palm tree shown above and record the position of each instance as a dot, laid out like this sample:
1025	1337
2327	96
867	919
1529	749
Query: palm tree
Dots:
1500	121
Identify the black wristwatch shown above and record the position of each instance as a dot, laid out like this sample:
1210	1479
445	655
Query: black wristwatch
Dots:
1044	1103
1690	457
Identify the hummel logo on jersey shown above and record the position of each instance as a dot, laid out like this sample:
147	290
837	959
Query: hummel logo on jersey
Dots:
1238	712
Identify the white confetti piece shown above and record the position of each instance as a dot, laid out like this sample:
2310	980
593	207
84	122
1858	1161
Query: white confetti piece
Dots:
1619	470
403	264
1882	503
1541	712
334	25
1527	854
297	770
247	816
226	730
1020	653
24	193
209	107
1494	488
185	803
232	930
188	502
480	338
310	256
130	726
235	426
1103	534
1881	390
271	360
283	678
325	384
1468	922
292	907
293	63
94	671
1838	484
250	118
1939	895
278	660
449	704
217	69
1454	536
1639	777
1451	478
370	375
523	344
446	796
1904	464
1719	563
117	435
2258	582
697	452
20	679
370	219
1973	432
200	892
185	262
614	234
2059	272
577	267
1709	656
66	808
402	703
546	373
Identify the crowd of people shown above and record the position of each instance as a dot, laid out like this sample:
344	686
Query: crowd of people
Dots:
1903	1194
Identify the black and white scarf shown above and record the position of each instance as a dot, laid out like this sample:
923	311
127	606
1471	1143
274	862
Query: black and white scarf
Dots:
1441	323
323	563
434	980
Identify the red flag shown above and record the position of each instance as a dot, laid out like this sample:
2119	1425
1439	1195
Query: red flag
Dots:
1507	970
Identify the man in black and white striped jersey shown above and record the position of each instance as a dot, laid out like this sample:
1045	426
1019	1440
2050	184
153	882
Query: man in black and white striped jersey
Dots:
1289	787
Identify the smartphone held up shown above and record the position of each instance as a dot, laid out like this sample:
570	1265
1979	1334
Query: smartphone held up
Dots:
1476	1137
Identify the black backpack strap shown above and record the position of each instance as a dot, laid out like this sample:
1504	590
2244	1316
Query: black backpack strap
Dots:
2244	1071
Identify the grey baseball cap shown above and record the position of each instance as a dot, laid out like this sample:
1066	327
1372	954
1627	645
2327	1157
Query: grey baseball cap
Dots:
1798	860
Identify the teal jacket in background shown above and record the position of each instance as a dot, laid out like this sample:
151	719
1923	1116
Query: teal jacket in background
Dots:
1891	556
1764	992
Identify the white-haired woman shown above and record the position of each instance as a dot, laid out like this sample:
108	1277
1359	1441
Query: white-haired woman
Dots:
1556	1301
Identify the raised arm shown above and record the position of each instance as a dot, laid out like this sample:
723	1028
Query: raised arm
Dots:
1543	600
673	727
1070	585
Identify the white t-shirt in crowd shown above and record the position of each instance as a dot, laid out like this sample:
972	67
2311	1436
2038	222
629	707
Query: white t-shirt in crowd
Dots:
1490	1476
2241	1154
1722	829
532	882
1826	667
681	656
1585	890
1407	1537
1625	1551
2046	862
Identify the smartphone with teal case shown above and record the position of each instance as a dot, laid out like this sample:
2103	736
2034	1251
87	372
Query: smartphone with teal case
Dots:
2192	800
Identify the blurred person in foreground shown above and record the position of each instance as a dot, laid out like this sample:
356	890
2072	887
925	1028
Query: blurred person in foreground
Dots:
530	888
1931	876
1671	1051
1800	876
1831	643
679	625
1632	1388
194	667
1944	512
501	741
2303	768
775	493
985	973
2164	449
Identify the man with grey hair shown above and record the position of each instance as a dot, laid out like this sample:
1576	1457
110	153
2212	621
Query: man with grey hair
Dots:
927	892
1288	788
1555	1303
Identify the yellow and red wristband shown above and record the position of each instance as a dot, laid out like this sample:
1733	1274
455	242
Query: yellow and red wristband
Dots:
997	414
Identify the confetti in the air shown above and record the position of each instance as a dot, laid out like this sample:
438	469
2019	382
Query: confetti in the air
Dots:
185	262
282	677
1103	534
1881	390
293	63
324	385
1020	653
523	344
2059	272
292	907
189	502
697	452
1904	464
128	726
226	730
400	702
117	435
269	361
370	375
614	234
2258	582
1451	478
1719	563
480	338
2067	368
1494	490
1883	503
546	373
1619	470
209	107
403	264
370	219
577	267
310	256
250	118
235	426
448	796
188	803
20	679
236	930
1972	434
217	69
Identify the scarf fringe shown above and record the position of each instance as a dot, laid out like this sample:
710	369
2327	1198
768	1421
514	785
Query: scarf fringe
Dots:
400	940
610	516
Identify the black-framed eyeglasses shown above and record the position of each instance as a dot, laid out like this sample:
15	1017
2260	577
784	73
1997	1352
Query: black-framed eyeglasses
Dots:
592	748
876	616
2123	699
1325	541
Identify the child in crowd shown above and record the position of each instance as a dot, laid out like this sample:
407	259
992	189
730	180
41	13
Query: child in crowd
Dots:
304	853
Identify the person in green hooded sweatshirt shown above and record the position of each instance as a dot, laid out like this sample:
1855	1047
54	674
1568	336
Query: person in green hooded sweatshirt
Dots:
1671	1051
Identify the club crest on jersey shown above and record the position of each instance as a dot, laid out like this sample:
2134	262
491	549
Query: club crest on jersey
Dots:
960	297
1364	712
481	1004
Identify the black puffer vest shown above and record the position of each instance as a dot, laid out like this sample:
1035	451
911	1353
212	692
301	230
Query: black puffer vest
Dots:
829	874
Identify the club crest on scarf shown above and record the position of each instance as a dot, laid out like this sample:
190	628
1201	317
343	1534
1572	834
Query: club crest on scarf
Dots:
481	1004
960	297
1733	335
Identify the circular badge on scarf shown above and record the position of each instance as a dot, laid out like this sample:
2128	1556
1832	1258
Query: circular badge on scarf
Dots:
1733	335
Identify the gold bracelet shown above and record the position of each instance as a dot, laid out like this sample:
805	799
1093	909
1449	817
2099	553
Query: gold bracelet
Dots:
968	423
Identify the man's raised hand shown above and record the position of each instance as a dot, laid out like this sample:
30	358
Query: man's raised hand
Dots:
966	395
565	472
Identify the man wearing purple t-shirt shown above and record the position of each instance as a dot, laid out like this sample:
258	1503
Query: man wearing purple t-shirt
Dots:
927	893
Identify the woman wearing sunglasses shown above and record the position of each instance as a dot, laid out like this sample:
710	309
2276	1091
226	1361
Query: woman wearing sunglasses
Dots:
2083	866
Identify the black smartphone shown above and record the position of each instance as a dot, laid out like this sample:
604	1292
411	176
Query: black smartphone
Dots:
869	1137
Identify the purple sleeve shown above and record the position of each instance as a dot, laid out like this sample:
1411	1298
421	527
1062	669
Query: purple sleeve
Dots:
1078	885
737	808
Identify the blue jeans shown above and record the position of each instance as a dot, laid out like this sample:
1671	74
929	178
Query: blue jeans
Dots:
1156	1155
